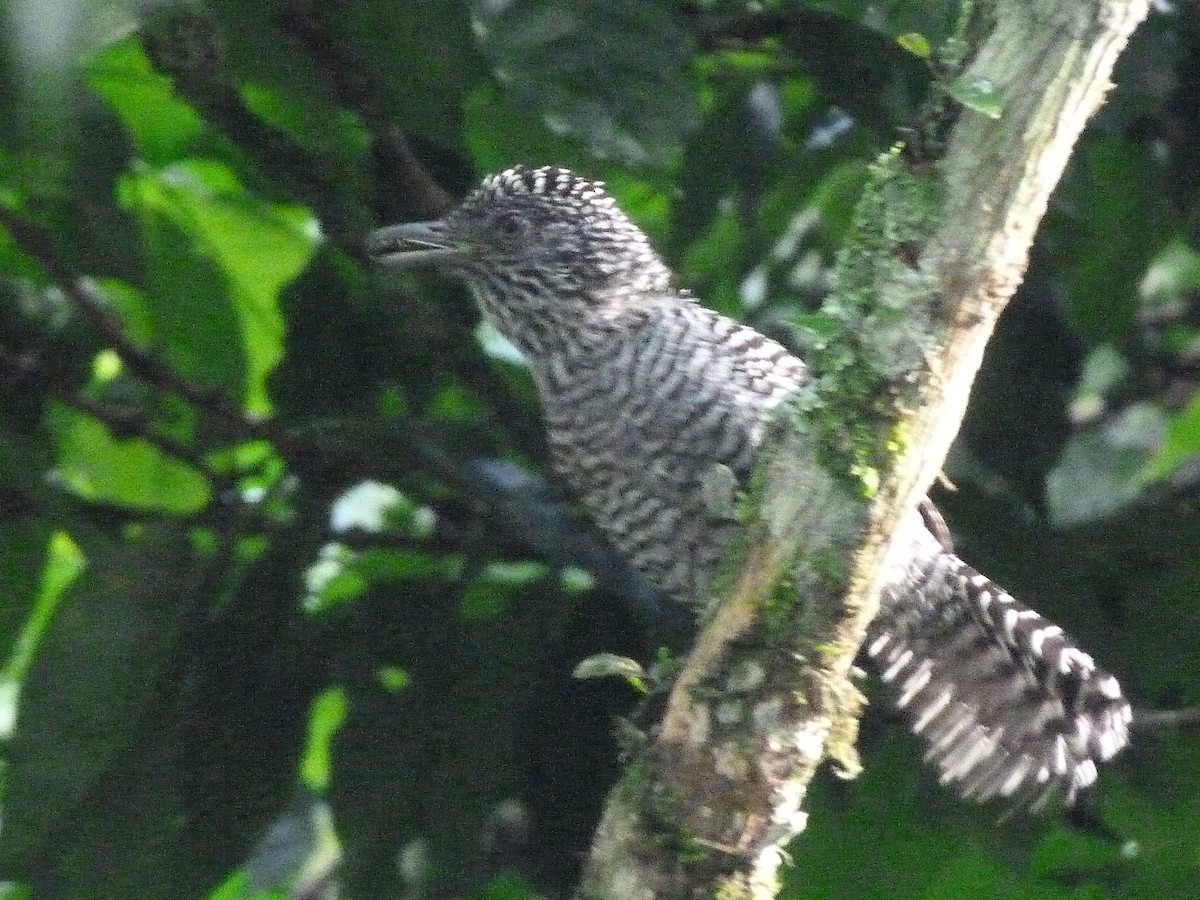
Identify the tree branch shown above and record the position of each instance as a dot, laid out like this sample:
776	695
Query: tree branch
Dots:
939	246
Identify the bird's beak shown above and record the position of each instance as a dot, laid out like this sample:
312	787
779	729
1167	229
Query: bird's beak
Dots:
411	244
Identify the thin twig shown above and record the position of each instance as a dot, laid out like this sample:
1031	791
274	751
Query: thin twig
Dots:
1166	718
88	298
413	179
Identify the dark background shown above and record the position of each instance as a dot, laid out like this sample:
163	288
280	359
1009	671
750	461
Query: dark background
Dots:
219	691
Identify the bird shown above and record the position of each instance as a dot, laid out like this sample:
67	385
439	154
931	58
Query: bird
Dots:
645	392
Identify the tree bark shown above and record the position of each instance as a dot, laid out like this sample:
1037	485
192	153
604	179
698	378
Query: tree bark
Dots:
939	246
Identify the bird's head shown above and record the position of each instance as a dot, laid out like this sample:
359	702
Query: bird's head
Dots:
542	250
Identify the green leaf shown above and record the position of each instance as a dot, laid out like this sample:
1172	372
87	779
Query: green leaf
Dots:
1101	470
916	44
978	93
613	72
63	564
408	61
316	125
257	247
490	592
240	886
342	575
27	180
162	126
29	548
497	131
325	717
122	471
1173	275
375	507
506	887
393	678
1090	218
94	674
1180	443
609	665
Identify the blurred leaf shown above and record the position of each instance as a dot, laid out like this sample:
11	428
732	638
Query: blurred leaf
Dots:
490	592
1105	239
916	44
325	717
239	886
453	403
26	181
1172	277
896	17
1103	371
979	94
611	71
375	507
610	665
498	133
188	305
316	125
95	674
342	574
122	471
257	247
1074	854
393	678
26	545
63	564
858	66
1180	443
413	60
163	127
576	581
506	887
1100	470
133	308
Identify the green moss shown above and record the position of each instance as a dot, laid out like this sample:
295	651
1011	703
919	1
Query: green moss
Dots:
659	808
778	610
870	332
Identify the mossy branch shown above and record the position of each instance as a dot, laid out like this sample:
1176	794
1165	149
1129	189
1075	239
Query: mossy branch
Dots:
940	243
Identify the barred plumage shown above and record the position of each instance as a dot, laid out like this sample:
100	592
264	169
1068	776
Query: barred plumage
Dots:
645	392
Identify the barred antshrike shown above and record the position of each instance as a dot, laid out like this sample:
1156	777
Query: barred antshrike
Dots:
645	392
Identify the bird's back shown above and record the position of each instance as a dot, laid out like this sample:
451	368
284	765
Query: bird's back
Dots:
640	428
644	426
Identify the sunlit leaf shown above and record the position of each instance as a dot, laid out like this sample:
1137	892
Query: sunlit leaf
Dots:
124	471
915	43
978	93
610	665
162	125
325	717
258	247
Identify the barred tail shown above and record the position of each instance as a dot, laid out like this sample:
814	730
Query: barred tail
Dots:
1009	706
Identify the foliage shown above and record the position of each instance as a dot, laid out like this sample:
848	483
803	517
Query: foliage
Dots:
286	598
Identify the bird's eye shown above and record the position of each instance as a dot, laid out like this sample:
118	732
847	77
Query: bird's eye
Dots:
509	225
